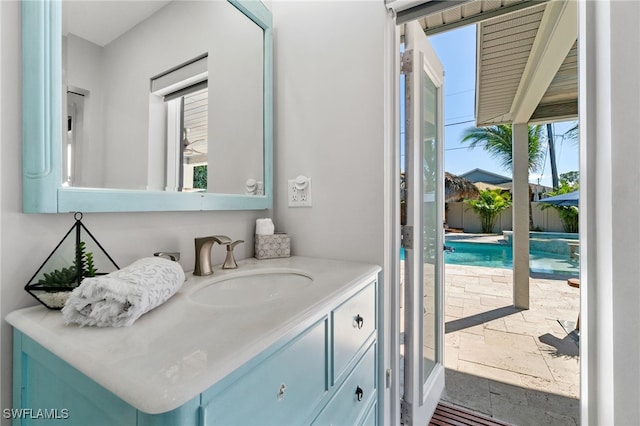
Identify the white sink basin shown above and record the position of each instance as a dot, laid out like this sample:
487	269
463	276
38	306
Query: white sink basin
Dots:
251	289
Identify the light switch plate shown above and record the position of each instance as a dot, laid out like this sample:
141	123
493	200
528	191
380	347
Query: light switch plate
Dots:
299	197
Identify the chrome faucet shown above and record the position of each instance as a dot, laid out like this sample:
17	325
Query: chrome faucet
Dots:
203	253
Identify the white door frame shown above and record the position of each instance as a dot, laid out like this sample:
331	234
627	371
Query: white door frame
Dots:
389	388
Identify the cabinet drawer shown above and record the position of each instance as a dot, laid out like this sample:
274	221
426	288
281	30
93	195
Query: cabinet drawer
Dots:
353	323
349	404
282	390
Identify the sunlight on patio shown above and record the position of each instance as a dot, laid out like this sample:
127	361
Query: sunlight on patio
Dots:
516	365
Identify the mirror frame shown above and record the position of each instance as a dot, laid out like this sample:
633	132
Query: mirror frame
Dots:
42	129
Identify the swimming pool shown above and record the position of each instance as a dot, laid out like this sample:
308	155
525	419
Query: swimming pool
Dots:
501	256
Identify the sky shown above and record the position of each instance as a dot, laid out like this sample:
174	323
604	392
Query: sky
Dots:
457	52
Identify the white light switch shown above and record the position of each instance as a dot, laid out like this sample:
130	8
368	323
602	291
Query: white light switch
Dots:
299	190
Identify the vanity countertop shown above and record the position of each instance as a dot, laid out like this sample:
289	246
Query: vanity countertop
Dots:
180	349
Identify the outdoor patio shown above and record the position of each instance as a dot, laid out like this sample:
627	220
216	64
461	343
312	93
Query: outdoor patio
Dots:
519	366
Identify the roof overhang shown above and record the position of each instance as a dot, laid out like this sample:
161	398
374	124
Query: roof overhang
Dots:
527	65
526	58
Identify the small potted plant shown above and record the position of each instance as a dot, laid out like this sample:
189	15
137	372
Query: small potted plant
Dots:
67	265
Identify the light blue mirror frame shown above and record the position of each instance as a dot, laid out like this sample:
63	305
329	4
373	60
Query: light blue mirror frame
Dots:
42	129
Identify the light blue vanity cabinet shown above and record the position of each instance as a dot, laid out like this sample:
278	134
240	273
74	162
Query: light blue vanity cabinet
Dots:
326	376
323	373
42	381
283	389
47	390
357	393
353	323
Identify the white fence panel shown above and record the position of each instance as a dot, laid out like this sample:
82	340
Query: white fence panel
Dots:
461	216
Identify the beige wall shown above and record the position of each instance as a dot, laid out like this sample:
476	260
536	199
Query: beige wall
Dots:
460	215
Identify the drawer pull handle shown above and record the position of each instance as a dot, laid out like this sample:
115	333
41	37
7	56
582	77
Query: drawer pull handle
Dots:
283	387
359	393
359	321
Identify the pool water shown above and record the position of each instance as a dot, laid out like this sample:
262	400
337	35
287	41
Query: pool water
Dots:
501	256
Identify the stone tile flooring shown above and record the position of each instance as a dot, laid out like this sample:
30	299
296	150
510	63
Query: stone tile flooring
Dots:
519	366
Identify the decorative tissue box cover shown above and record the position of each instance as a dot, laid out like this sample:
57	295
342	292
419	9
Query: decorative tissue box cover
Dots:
272	246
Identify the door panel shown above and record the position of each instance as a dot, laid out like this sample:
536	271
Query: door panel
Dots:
423	236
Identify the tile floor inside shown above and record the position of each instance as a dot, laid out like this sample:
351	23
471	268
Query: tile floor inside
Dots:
519	366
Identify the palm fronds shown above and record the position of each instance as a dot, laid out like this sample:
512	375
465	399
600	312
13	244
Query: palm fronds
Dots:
498	142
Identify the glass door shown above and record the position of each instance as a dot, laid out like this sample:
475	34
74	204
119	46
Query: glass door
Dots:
423	233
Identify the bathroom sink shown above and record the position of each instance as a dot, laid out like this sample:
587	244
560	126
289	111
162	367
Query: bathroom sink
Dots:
251	289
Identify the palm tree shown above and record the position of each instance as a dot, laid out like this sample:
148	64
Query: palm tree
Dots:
573	133
498	142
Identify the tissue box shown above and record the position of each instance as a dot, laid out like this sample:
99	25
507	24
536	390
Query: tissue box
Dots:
273	246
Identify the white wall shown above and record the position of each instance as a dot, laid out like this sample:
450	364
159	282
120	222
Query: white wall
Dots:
237	108
3	107
329	64
329	92
84	70
610	305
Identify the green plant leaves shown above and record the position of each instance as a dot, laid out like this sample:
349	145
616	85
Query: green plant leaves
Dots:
488	205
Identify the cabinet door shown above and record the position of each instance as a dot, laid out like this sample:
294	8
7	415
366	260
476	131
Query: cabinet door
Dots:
53	392
282	390
354	396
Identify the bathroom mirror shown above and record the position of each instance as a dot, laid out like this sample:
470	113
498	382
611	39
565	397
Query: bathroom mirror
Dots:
171	109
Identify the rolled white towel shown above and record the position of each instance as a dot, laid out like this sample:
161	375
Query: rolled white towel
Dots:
121	297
